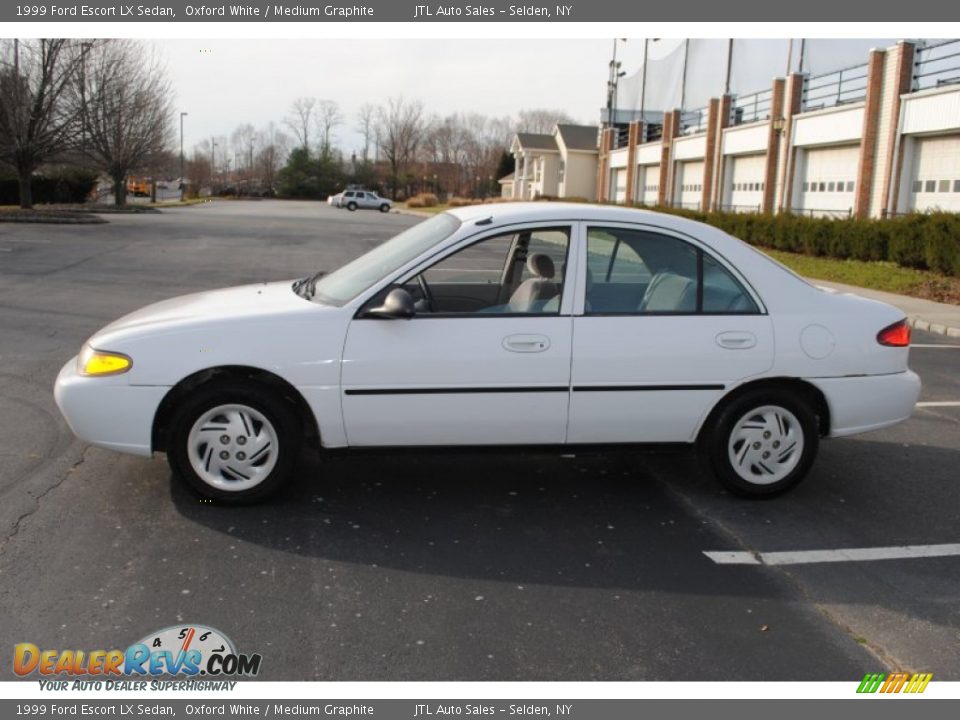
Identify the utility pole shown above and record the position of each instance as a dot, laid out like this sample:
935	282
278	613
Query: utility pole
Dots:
182	183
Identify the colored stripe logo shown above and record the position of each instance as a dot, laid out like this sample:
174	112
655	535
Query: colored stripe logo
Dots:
898	682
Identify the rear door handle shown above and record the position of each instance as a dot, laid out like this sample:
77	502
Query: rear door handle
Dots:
736	340
526	343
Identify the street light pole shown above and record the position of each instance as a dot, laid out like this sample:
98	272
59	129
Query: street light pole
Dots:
213	162
182	184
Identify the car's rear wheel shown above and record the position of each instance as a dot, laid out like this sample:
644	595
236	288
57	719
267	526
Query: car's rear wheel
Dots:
762	443
384	208
233	442
351	206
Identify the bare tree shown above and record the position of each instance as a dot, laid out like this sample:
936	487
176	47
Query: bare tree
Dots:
36	122
366	119
328	116
274	146
300	119
243	139
126	106
400	128
541	120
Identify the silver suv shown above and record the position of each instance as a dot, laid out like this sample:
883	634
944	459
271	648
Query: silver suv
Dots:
353	199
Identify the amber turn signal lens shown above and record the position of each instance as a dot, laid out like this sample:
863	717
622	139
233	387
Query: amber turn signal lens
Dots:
96	362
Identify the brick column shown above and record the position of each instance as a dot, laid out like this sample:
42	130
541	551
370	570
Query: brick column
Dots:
603	174
633	139
723	121
709	154
904	55
773	146
671	128
792	104
868	142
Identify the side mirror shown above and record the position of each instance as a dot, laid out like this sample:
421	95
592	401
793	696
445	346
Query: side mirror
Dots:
397	304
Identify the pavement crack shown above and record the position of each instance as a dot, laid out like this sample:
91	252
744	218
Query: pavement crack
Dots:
38	499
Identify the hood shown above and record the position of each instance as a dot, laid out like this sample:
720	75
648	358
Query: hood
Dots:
246	301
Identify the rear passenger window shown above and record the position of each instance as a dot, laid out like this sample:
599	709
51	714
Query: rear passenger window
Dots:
722	293
636	272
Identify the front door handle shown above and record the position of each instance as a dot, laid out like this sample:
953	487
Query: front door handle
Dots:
526	343
736	340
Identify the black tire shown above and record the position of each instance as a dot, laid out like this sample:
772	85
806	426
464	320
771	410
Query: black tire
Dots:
384	208
351	206
279	413
716	447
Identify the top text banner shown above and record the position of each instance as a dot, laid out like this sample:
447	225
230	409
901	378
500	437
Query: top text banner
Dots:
406	11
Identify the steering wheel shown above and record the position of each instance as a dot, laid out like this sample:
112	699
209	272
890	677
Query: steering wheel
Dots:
427	295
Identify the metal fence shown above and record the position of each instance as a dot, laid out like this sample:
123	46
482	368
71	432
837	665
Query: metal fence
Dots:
740	208
839	87
693	121
750	108
685	205
936	64
821	213
621	136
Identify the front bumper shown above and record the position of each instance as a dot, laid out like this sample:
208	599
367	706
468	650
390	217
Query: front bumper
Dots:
108	411
871	402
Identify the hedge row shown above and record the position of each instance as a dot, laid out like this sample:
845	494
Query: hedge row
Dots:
73	187
928	241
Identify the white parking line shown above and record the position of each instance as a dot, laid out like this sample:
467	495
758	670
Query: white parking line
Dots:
935	345
939	403
803	557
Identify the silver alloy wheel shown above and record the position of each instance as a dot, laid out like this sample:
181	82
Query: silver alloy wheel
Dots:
765	445
232	447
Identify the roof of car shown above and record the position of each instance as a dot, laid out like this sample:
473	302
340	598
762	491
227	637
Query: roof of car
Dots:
511	212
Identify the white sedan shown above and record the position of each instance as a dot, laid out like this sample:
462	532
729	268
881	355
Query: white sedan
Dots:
519	324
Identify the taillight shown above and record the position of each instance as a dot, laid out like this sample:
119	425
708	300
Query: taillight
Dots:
896	335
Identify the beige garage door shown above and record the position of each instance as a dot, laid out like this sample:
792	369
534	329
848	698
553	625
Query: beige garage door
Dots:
689	185
935	182
648	184
828	180
745	189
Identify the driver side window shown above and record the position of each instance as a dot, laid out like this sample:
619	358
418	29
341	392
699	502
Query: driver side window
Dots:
512	273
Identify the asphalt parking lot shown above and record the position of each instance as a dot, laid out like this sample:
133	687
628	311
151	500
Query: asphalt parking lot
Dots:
444	565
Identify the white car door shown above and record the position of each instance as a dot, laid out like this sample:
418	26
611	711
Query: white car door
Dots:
664	329
486	358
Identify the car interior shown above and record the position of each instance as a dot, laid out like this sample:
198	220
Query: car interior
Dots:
632	272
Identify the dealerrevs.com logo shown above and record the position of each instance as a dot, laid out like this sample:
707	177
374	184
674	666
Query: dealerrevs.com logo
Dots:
178	650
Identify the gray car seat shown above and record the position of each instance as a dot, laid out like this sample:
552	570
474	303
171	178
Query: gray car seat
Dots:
669	292
533	292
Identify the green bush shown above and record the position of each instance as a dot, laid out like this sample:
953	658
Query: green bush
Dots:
927	241
66	187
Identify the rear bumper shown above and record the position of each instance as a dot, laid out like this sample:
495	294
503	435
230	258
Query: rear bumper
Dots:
107	411
871	402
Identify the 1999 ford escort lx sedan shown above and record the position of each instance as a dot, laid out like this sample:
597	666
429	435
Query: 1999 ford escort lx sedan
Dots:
514	324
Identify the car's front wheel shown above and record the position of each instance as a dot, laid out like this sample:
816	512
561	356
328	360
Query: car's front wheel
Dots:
384	208
762	443
233	442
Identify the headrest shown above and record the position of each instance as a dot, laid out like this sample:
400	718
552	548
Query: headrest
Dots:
541	265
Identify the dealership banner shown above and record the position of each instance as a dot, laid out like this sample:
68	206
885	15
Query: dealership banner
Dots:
440	709
300	11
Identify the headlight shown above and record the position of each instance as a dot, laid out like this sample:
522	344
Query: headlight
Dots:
101	362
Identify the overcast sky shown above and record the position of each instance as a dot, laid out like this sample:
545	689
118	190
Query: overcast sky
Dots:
223	83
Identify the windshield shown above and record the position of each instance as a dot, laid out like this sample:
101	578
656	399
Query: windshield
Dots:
353	278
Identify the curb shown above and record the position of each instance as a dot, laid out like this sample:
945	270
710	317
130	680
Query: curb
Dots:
932	327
